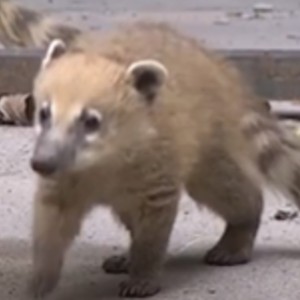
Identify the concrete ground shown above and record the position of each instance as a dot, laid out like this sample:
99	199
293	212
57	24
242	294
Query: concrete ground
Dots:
274	272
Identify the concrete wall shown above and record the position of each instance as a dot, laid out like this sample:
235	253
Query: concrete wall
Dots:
273	74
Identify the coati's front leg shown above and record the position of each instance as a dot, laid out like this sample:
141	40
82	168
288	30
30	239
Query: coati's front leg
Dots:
54	228
150	228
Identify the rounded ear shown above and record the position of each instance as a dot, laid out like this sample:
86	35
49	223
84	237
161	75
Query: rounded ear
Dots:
147	76
55	49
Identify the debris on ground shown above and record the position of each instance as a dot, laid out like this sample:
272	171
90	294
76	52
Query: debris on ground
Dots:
292	126
293	37
286	109
260	11
288	113
283	215
260	8
211	291
222	21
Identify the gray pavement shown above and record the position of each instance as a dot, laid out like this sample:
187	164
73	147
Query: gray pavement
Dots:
274	272
226	24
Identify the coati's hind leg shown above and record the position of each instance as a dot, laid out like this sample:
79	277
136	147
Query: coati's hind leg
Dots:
220	184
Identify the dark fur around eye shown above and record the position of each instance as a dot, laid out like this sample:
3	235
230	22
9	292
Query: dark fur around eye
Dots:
45	114
91	120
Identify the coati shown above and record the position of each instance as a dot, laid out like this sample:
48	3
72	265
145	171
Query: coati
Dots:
131	119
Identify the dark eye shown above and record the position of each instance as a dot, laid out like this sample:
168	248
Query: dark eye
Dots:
91	120
44	114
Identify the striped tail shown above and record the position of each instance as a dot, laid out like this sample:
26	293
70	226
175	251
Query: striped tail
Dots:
24	27
277	153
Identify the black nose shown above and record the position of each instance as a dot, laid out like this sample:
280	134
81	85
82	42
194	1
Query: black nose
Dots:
44	166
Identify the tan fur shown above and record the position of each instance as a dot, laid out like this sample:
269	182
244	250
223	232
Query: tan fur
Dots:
204	131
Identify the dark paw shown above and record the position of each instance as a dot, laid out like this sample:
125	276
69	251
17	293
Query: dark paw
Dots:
138	288
41	285
223	257
116	265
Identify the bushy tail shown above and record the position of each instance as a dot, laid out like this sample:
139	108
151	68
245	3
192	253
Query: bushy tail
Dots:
277	153
23	27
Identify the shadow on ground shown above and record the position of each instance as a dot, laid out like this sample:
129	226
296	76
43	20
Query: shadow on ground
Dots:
83	277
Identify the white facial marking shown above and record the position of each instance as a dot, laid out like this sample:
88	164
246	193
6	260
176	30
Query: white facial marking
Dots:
95	113
76	112
93	136
53	109
37	124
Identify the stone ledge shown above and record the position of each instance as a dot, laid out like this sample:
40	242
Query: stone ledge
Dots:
17	70
273	74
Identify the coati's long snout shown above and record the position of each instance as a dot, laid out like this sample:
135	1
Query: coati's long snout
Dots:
53	153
